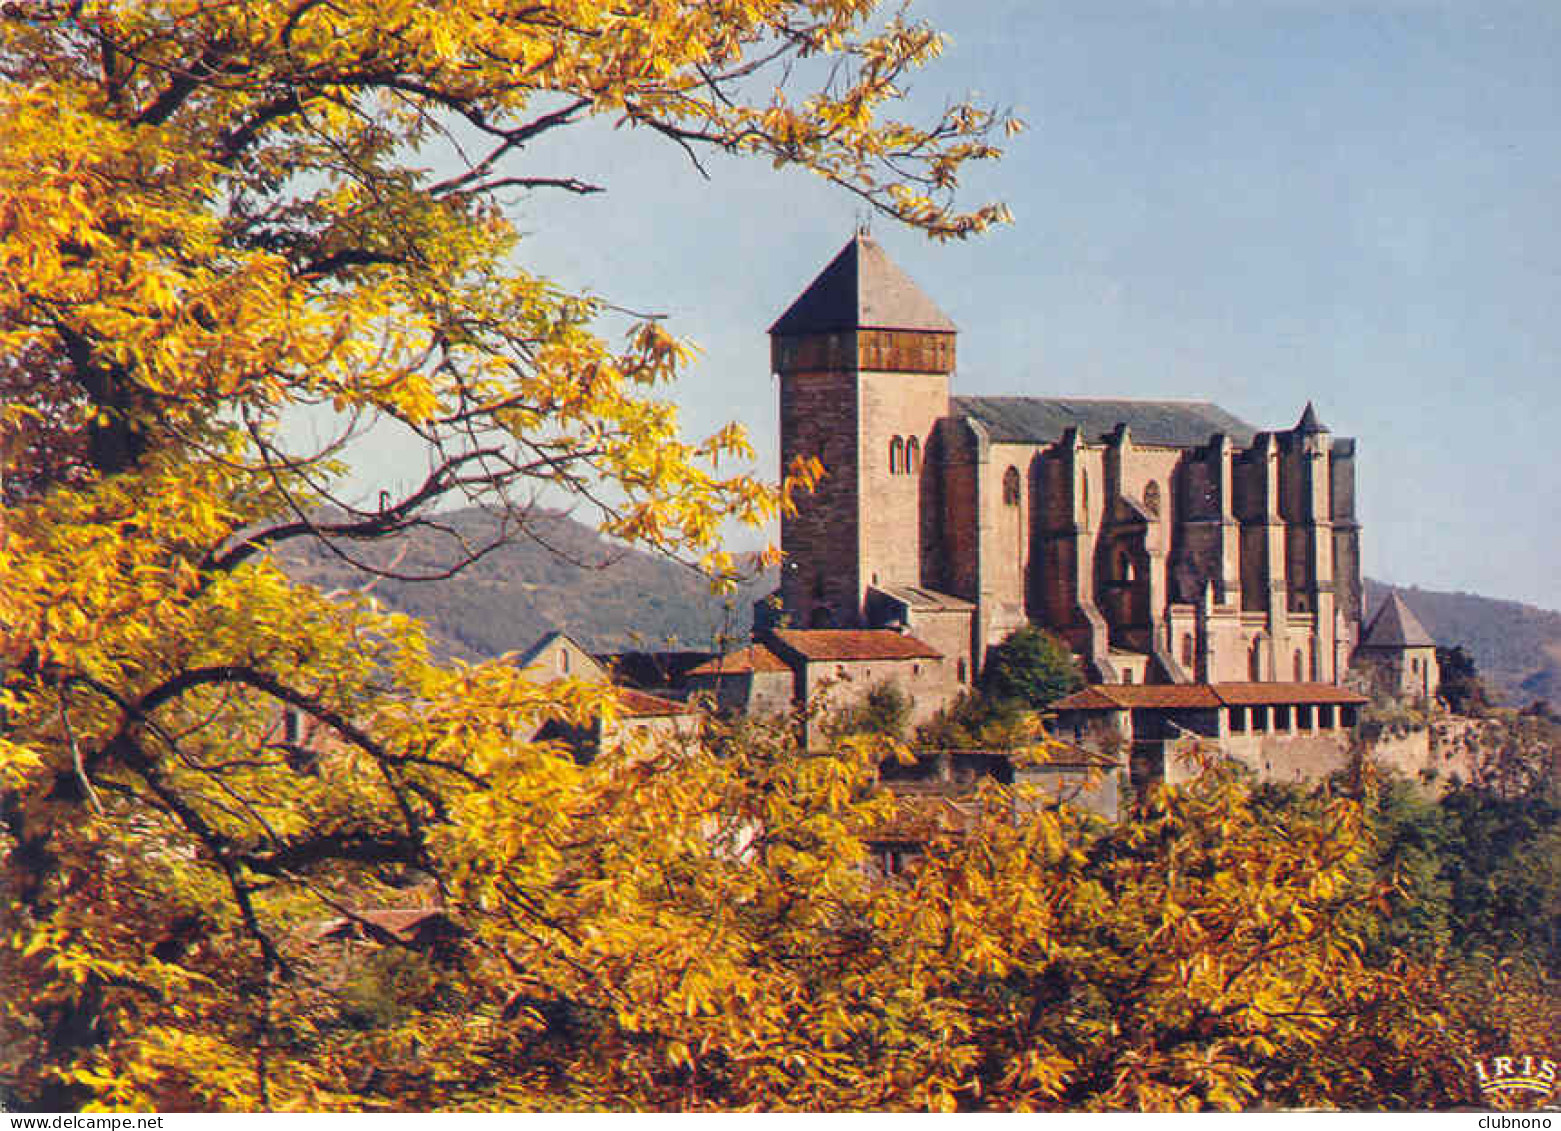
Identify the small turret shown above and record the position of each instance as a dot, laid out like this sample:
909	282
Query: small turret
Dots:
1309	425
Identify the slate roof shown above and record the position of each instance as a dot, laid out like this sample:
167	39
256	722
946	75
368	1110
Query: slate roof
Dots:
1043	420
1309	425
743	661
862	288
915	597
1193	696
818	644
1395	626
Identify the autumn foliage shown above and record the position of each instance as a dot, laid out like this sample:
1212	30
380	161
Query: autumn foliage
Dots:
214	216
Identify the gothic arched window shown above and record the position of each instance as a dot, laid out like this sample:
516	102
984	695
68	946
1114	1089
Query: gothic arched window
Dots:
1011	487
1186	649
912	455
1083	493
1300	667
1152	498
896	456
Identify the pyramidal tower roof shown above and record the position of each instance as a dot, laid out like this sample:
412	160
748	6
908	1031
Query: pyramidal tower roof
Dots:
1395	626
862	288
1309	425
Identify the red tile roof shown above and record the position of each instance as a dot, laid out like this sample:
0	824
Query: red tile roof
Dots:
640	704
817	644
1193	696
1127	696
1278	694
1092	698
753	658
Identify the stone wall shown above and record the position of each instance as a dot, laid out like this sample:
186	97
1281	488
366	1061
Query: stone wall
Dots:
820	577
903	407
1291	758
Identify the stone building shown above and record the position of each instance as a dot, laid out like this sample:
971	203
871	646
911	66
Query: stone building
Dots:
1397	655
639	716
1168	542
1284	732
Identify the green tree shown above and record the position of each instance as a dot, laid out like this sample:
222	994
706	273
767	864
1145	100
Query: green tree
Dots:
1031	666
885	710
1460	683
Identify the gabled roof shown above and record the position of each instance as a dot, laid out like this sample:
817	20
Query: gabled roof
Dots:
1195	696
862	288
1043	420
743	661
1395	626
816	644
529	656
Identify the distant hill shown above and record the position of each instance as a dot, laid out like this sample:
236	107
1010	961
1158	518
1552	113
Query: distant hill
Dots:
562	575
566	576
1516	647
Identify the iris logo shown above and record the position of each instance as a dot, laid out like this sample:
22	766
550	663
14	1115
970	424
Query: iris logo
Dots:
1517	1077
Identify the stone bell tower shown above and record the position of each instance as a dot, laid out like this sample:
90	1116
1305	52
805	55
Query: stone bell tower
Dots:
864	359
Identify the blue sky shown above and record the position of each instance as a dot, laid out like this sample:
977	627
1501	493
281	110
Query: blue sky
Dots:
1256	203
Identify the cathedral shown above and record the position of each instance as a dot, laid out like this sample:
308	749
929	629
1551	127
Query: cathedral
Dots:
1168	542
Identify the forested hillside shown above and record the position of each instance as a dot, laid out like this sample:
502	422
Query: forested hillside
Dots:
560	575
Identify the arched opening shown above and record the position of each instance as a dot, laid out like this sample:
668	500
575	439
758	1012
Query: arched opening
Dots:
1083	494
1187	650
959	670
1255	661
563	660
896	456
912	455
1127	675
1011	487
1300	668
1152	498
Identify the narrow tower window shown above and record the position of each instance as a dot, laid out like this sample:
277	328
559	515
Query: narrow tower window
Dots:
1300	669
912	455
1152	498
1011	487
896	456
